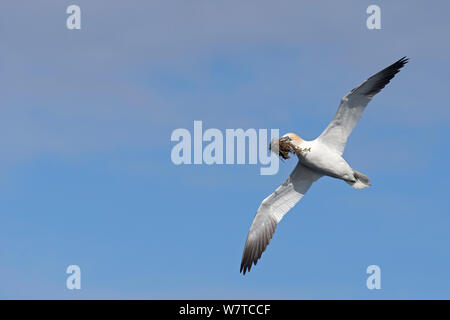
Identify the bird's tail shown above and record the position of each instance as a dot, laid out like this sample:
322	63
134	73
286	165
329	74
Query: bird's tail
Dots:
362	181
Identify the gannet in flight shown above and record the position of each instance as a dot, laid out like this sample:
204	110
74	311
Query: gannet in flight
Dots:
317	158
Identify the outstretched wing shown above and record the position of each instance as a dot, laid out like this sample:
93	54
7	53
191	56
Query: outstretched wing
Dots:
353	105
272	210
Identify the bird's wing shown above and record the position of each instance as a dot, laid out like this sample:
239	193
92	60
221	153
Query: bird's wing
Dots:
272	210
353	105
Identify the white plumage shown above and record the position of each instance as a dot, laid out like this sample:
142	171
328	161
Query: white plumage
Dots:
317	158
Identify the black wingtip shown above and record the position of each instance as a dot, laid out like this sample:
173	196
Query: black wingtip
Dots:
400	63
383	77
243	269
396	66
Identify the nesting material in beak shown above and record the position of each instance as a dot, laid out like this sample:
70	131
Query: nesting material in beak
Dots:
282	146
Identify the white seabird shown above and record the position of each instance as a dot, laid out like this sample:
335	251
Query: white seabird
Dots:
316	158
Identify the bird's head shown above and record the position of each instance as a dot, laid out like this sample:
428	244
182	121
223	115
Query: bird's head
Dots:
285	145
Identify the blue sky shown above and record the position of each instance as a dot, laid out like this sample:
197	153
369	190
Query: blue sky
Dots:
85	170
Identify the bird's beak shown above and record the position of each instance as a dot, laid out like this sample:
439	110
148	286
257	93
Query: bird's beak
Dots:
282	147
